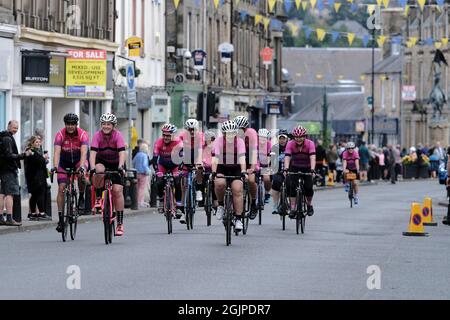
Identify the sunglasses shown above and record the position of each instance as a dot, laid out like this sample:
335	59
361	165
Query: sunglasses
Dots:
167	135
71	123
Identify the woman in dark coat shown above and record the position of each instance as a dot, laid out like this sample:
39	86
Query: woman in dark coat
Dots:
36	177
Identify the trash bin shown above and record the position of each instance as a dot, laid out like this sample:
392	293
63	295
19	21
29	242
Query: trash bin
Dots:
17	207
130	189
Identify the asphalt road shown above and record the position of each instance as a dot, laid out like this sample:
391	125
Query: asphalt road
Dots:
330	261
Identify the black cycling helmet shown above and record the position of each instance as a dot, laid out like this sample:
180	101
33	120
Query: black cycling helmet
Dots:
71	118
283	132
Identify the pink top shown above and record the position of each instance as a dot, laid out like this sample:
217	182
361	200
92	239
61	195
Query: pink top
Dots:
351	159
192	147
166	153
251	143
228	153
108	147
71	146
381	159
264	154
300	155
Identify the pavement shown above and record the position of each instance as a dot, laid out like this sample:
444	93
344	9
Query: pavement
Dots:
345	253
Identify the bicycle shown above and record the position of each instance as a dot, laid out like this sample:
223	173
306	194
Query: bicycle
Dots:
189	198
169	203
300	202
70	204
247	207
350	179
260	195
283	206
208	204
108	215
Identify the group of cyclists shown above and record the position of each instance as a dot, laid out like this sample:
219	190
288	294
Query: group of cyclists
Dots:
237	150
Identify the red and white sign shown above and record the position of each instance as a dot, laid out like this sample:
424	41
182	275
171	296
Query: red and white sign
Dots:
409	93
87	54
266	55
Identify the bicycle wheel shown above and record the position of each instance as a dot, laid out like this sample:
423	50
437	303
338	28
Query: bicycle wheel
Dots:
260	201
208	204
190	208
299	209
67	208
168	202
350	195
106	218
74	218
282	208
303	217
228	216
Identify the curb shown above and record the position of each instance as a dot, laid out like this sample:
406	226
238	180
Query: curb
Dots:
33	226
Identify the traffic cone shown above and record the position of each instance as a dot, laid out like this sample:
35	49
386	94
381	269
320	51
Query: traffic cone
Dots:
416	222
427	213
330	181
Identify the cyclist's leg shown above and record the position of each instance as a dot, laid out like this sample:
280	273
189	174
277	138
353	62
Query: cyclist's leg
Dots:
98	181
62	181
237	188
118	201
178	190
276	188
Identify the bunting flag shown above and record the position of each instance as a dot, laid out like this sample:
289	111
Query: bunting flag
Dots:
421	4
320	5
386	3
365	40
321	34
444	42
304	5
294	28
337	6
266	22
334	35
216	3
381	40
308	31
197	3
406	10
331	3
272	5
237	2
176	3
298	3
440	4
413	41
313	3
371	9
287	5
429	42
403	3
243	14
354	7
438	44
350	37
258	19
379	2
351	1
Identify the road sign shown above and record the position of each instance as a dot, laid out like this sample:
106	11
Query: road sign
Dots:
131	84
409	93
266	55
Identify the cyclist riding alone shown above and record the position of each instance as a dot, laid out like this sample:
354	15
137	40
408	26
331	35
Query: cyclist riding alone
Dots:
70	152
229	160
166	150
263	166
300	156
250	137
193	141
277	162
108	153
350	164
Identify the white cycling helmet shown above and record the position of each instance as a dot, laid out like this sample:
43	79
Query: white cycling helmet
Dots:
209	134
191	124
108	117
241	122
169	128
229	127
264	133
350	145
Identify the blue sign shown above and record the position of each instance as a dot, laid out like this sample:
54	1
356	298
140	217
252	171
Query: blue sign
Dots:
131	85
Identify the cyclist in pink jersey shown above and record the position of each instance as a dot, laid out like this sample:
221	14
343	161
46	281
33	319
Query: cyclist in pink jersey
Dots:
300	156
250	137
70	152
350	163
263	166
167	158
108	153
229	160
210	137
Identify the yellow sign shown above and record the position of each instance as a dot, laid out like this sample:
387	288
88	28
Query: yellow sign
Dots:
86	74
134	45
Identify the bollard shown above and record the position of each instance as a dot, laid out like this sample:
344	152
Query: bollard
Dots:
17	207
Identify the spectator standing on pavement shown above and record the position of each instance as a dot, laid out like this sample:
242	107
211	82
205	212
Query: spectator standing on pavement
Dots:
142	166
332	157
364	156
9	166
36	177
390	162
321	155
137	149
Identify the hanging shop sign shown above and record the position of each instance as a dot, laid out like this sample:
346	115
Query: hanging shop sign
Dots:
226	51
266	56
35	67
199	59
134	45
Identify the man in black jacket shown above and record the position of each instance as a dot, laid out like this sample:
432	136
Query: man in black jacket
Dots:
10	164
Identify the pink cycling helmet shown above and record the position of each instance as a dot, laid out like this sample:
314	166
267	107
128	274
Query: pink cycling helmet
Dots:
299	132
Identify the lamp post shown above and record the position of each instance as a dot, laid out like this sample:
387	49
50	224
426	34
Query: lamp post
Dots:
372	135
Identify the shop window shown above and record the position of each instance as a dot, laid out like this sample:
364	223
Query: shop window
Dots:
90	113
32	118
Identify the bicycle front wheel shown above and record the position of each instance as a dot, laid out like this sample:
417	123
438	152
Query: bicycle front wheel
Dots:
228	216
107	211
208	205
74	218
66	215
168	206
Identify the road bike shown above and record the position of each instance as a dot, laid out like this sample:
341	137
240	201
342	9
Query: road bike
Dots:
169	202
190	202
283	206
260	195
208	203
300	201
70	209
350	179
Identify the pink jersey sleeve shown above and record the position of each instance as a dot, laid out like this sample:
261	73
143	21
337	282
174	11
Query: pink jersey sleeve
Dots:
58	139
311	147
157	147
356	154
216	147
95	140
240	147
120	142
84	137
289	148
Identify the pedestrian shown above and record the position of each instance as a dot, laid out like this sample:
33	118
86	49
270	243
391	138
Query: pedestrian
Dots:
36	177
381	163
390	162
332	157
364	161
142	166
321	155
398	162
136	149
9	166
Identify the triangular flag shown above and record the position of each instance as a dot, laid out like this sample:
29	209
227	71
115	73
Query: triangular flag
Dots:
440	3
444	42
429	42
320	5
438	44
266	22
216	3
406	10
243	14
287	5
294	28
365	40
308	31
320	34
351	37
381	40
351	1
379	2
421	4
272	5
371	9
403	3
304	5
313	3
258	19
176	3
337	6
386	3
413	41
334	35
330	3
298	3
353	7
237	2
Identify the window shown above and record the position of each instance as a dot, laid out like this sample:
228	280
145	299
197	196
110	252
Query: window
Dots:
31	118
394	93
383	82
2	111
